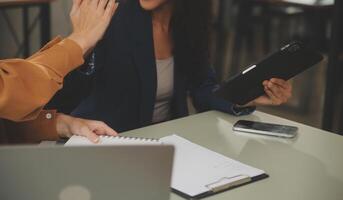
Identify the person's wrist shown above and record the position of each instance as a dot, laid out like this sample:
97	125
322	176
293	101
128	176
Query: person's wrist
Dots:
82	41
63	125
250	104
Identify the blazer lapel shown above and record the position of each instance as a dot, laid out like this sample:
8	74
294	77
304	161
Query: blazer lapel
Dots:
140	30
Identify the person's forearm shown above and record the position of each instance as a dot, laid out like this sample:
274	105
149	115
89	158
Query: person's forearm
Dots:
41	129
27	85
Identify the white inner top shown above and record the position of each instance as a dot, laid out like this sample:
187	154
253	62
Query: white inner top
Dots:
165	89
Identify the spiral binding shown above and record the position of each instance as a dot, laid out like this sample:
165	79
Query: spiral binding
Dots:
133	138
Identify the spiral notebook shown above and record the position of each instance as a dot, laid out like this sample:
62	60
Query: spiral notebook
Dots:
197	171
110	140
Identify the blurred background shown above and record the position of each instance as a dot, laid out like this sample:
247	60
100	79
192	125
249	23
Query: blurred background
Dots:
243	32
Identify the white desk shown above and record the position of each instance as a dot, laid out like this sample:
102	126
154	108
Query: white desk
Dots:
309	167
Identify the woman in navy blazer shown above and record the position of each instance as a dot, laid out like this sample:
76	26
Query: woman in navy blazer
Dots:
119	84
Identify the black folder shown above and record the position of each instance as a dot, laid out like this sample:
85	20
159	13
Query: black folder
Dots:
286	63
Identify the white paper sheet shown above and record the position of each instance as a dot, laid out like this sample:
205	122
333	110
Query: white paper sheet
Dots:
195	167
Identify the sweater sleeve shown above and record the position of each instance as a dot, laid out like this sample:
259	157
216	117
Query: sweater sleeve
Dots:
30	132
27	85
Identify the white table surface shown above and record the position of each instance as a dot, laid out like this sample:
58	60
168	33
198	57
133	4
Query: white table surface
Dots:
309	167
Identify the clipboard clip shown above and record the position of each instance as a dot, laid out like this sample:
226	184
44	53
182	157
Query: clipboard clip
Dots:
228	182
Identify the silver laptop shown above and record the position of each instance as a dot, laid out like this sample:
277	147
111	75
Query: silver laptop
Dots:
86	173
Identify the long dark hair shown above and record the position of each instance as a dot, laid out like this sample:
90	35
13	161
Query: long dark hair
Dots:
191	32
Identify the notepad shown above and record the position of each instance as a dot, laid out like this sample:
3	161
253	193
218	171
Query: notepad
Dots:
197	171
111	140
200	172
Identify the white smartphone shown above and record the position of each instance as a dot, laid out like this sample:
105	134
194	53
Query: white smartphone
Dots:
266	129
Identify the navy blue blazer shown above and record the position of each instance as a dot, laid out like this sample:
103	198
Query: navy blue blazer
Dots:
119	84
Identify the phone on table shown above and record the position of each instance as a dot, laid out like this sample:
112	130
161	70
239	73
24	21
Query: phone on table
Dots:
261	128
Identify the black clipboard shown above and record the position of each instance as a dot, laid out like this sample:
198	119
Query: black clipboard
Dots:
286	63
223	188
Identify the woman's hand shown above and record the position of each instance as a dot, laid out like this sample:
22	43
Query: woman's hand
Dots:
90	19
277	92
67	126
